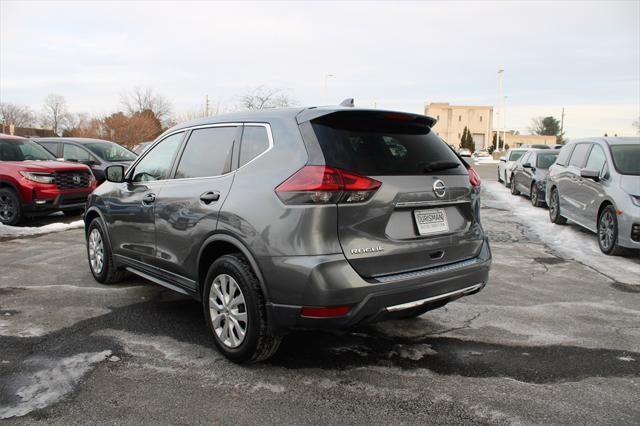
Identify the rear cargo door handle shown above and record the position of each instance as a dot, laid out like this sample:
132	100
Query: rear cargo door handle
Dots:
149	198
210	197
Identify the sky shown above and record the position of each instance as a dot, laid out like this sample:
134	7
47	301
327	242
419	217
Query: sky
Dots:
583	56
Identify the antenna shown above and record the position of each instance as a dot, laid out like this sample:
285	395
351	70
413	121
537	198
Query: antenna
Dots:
348	103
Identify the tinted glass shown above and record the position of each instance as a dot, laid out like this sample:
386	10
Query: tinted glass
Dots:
596	159
157	163
111	151
525	158
21	150
208	153
546	159
74	153
255	141
565	153
627	158
515	155
52	147
579	154
368	144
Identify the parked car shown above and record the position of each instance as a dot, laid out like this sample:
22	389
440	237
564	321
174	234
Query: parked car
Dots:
530	174
535	146
294	219
464	152
596	184
141	147
481	153
33	183
96	153
507	164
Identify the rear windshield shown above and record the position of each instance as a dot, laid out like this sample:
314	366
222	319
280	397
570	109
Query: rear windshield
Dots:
515	155
21	150
374	145
110	151
626	158
546	160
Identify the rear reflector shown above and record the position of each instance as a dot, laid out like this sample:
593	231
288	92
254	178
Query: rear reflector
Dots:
474	178
336	311
324	185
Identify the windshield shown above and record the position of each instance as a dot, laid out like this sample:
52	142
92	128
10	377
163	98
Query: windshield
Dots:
21	150
627	158
546	160
110	151
515	155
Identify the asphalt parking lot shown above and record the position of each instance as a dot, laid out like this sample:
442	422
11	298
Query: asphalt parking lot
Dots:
553	338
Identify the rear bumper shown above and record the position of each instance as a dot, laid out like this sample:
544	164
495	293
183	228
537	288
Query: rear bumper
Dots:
335	283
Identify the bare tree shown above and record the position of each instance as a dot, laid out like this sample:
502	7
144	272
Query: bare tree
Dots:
263	97
144	98
55	114
18	115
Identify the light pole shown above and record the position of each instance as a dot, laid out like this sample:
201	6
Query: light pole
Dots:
504	121
326	81
500	77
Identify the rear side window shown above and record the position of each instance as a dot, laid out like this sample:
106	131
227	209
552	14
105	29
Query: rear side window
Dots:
373	144
255	141
565	153
579	155
545	160
208	153
156	164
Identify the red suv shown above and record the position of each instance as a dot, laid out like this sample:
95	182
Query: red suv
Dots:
32	182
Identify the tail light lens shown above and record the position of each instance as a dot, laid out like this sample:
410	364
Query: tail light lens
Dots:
474	178
326	185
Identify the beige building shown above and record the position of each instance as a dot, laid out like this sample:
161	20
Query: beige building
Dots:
515	141
452	120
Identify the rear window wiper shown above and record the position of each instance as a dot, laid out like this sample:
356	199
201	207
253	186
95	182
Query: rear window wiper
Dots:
440	165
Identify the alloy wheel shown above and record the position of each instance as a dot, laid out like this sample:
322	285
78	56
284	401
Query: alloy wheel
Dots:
534	195
553	206
228	310
7	208
96	251
606	230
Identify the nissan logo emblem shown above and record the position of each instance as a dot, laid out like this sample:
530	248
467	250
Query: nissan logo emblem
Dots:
439	188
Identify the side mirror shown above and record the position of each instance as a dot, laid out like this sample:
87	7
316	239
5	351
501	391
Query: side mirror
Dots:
527	165
115	173
590	174
89	162
503	159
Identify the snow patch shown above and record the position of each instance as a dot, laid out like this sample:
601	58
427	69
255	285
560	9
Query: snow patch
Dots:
268	386
567	240
23	231
626	358
412	352
51	384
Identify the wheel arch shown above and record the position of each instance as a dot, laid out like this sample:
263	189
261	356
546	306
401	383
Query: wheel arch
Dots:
10	185
606	202
218	245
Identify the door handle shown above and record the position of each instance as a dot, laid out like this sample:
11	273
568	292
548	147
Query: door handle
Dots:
209	197
149	198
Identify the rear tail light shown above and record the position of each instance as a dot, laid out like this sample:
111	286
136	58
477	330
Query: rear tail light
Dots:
474	178
326	185
336	311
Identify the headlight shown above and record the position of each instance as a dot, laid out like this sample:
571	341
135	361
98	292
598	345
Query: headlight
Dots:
635	199
38	177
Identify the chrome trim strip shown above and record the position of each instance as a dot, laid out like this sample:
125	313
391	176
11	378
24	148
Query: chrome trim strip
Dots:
157	280
430	203
409	305
428	272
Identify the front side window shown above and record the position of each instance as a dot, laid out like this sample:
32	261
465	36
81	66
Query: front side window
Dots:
255	141
579	155
208	153
596	159
74	153
156	164
525	158
52	147
23	150
565	153
110	151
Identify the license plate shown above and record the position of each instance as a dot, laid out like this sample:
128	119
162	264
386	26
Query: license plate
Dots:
431	221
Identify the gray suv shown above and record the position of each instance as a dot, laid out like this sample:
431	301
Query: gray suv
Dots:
288	219
596	184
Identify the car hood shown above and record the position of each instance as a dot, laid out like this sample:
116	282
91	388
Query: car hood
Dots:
44	166
630	184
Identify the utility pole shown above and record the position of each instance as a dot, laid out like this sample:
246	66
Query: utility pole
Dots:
206	105
504	121
562	124
500	78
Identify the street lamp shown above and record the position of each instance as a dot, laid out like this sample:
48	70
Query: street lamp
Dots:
326	80
504	121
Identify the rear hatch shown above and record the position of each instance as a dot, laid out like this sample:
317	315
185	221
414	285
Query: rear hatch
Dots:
423	213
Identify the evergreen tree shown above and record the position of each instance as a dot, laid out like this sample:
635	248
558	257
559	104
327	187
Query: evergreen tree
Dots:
467	140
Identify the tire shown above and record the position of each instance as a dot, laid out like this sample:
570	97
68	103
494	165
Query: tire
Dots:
554	208
10	208
103	271
534	196
514	191
230	278
608	232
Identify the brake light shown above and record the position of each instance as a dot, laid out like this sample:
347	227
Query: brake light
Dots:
474	178
325	185
336	311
